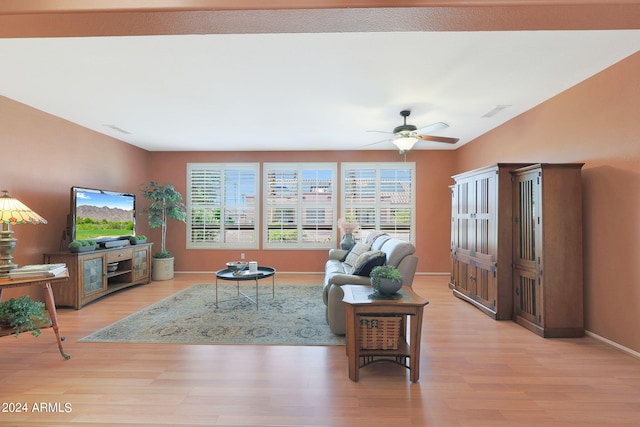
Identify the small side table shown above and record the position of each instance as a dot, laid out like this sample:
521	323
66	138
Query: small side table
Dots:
358	302
262	273
50	303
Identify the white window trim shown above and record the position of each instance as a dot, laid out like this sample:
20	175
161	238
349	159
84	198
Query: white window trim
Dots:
344	167
255	167
300	167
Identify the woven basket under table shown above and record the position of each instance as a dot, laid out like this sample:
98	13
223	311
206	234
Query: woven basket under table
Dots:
379	332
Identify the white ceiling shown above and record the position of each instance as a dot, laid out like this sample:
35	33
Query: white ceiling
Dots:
320	91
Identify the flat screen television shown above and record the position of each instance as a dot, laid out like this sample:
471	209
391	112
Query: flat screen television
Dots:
102	215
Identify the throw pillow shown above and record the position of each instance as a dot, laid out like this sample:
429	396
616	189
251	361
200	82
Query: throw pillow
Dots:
357	250
367	261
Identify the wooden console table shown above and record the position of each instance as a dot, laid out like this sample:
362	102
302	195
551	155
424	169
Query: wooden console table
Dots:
50	304
405	303
90	275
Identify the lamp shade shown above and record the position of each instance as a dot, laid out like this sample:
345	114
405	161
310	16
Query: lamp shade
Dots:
405	143
13	211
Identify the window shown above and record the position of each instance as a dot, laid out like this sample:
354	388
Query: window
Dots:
299	205
221	205
380	197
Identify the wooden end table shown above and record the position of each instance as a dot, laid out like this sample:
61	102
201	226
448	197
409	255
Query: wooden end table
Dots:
50	304
262	273
358	302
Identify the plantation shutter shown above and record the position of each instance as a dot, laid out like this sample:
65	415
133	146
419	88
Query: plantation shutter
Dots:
299	205
221	205
380	197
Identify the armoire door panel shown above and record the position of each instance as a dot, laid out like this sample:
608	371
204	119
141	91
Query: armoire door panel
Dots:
481	270
527	295
547	249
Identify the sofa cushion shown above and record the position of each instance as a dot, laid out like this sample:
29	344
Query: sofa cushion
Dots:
379	243
367	261
357	250
397	250
333	266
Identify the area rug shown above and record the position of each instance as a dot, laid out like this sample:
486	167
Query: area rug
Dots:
295	316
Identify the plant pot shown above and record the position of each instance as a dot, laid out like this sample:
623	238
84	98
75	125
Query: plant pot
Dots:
388	286
138	241
82	249
162	268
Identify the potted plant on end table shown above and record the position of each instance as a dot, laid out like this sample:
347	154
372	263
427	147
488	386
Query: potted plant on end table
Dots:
386	280
166	203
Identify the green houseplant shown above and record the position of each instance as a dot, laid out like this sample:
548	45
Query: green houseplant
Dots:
23	314
386	279
138	239
82	245
166	203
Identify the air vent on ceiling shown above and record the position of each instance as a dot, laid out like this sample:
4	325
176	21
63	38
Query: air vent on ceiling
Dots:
495	111
114	127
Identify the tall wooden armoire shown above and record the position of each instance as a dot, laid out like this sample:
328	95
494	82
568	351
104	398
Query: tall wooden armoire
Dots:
547	249
481	239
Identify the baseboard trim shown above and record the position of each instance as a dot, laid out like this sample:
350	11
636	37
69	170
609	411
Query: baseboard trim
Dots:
620	347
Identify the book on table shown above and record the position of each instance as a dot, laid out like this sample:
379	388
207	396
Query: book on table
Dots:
37	270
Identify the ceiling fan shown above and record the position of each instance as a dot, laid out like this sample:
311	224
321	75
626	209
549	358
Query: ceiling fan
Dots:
405	136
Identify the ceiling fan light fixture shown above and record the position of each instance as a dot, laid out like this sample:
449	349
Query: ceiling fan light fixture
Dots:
405	143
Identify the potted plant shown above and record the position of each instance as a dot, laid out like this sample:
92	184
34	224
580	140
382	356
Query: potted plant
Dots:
166	203
138	240
83	246
23	314
386	279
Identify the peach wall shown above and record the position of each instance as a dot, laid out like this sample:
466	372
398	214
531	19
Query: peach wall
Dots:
432	223
43	157
595	122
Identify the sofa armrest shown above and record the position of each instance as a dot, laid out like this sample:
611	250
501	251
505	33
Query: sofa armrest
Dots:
337	254
348	279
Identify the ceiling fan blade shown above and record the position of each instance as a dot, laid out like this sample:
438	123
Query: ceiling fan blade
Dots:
433	127
377	142
439	139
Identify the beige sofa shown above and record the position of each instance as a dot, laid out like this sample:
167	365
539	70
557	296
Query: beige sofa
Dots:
339	270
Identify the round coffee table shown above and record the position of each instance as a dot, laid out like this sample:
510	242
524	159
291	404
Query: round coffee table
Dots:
245	275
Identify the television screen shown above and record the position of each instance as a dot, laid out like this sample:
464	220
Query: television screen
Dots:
102	215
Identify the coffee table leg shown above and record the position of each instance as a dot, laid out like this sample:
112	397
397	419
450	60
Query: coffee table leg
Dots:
256	293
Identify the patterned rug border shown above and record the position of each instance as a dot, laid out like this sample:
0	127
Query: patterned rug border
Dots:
294	316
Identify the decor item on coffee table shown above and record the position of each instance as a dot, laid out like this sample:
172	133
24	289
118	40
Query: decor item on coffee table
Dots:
339	270
235	272
294	316
166	202
376	330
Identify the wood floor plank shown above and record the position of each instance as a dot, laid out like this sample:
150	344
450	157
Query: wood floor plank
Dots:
474	372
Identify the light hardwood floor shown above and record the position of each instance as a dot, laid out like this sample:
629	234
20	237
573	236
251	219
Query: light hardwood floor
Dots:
474	372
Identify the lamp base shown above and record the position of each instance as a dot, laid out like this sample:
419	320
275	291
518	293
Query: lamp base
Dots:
7	246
